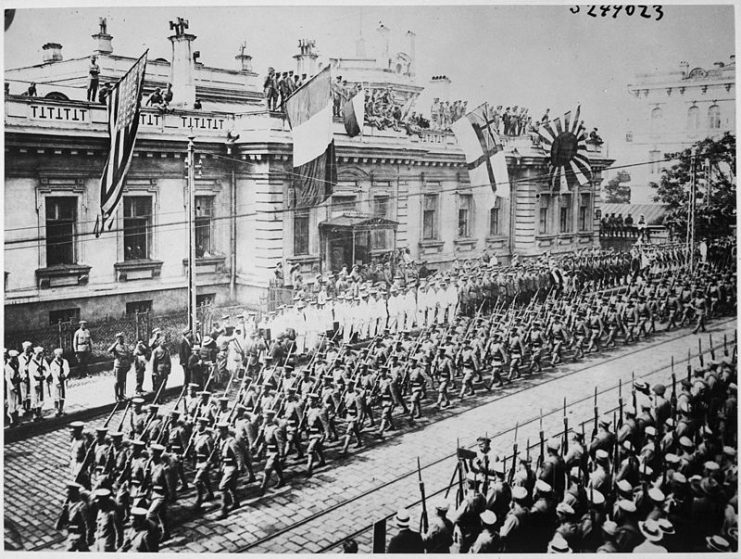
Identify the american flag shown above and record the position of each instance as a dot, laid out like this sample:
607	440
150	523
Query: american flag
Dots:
124	103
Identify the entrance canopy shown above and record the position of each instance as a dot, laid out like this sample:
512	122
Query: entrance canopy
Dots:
357	223
353	239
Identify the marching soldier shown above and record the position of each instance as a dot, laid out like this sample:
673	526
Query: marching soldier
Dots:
177	440
75	518
444	370
203	447
230	467
470	365
274	444
417	383
143	536
108	523
243	429
77	453
516	352
315	418
353	410
157	480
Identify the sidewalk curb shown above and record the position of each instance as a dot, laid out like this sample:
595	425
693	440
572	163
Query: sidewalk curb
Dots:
33	428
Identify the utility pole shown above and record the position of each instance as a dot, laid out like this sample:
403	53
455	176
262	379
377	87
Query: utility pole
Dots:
192	309
691	209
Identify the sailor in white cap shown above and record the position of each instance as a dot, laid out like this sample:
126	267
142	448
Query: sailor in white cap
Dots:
488	540
59	369
38	372
12	386
24	362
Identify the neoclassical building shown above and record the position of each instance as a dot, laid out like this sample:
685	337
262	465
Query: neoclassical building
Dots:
672	110
395	190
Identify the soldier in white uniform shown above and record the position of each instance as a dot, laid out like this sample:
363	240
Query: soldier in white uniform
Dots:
24	360
38	372
12	386
59	370
301	326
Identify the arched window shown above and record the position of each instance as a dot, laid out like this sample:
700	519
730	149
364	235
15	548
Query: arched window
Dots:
657	119
693	118
714	117
56	96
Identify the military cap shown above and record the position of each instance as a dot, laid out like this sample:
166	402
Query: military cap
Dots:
269	413
671	458
729	451
656	495
193	385
553	444
666	526
564	508
223	400
204	393
543	487
686	442
222	425
153	408
627	505
136	443
646	470
596	497
157	447
610	527
659	389
624	487
519	493
558	544
402	518
203	419
627	445
101	430
174	414
76	425
488	518
102	493
13	353
718	544
601	455
116	435
71	484
139	511
650	431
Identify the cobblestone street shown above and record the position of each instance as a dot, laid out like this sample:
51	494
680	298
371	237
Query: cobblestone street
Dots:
377	480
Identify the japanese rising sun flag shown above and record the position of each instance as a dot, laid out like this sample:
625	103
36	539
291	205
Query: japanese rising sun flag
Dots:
566	143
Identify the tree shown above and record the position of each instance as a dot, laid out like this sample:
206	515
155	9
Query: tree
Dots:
715	211
615	191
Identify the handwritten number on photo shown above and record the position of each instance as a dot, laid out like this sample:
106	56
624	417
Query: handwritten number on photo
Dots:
659	12
630	9
591	11
574	9
616	11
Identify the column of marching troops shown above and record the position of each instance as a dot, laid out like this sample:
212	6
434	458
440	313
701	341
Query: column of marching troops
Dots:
253	396
658	474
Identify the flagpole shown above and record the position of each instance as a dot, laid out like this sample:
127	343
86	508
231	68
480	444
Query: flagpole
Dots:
192	309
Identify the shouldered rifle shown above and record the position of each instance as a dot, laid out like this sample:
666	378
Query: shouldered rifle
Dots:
712	349
620	402
169	419
725	344
596	415
633	390
674	391
542	440
565	430
700	356
689	365
123	419
514	455
423	521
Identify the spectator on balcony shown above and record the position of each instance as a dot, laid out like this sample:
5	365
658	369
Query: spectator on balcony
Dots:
103	93
595	138
620	225
643	228
155	99
92	80
629	225
31	91
197	105
167	95
546	117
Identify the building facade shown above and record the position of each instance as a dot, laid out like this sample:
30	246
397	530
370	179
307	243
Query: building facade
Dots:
395	190
672	111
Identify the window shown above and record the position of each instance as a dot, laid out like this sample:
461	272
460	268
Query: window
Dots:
204	225
301	233
138	307
657	119
64	315
342	205
205	299
655	158
565	214
584	207
545	200
380	209
693	118
495	219
714	117
429	217
465	205
137	227
61	220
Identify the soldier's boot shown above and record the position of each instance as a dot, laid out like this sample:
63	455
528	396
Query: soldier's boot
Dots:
310	465
235	500
183	480
251	471
359	442
199	497
418	407
209	491
61	406
266	478
225	503
345	445
322	461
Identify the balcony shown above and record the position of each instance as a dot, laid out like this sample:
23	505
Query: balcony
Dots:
144	268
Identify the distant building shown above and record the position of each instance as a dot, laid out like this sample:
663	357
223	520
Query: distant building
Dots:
395	189
673	110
